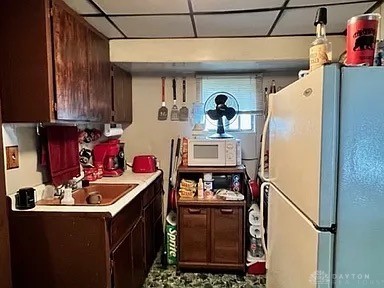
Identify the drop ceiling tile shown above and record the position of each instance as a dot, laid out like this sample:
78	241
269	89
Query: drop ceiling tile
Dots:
155	26
226	5
143	6
104	27
243	24
295	3
300	20
82	6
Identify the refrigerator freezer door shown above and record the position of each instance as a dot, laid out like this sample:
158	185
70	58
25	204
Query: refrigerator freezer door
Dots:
303	143
299	256
360	214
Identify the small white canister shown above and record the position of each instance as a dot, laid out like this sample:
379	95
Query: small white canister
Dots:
208	185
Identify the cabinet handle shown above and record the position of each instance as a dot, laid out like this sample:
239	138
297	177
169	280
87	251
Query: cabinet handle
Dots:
226	211
194	211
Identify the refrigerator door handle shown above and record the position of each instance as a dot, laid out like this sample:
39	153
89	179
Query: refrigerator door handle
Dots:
263	140
262	187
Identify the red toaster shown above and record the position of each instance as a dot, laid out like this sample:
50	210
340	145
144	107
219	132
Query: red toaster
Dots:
144	164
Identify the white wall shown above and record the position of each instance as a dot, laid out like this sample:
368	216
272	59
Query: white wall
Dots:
147	135
28	173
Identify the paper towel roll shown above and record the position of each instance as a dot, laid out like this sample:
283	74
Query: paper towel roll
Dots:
255	231
113	130
254	215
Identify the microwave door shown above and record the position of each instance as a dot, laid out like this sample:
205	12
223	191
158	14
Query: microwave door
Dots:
208	154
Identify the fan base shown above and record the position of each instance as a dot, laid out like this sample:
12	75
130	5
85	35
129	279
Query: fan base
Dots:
221	135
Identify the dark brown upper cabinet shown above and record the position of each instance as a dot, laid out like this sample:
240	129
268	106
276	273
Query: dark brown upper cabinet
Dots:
55	66
122	95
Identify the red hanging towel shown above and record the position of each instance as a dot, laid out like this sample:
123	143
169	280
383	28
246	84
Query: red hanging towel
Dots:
63	153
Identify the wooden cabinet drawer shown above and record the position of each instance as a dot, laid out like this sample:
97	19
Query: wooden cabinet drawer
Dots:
227	235
125	220
194	234
148	194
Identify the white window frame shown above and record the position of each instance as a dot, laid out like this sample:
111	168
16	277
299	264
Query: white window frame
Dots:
254	113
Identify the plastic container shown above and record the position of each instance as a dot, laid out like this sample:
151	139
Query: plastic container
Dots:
200	189
68	198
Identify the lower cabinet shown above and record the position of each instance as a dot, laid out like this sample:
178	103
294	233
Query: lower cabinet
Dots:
127	260
211	234
87	250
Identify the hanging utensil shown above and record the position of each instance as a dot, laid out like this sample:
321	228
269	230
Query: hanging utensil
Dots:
183	113
163	111
175	110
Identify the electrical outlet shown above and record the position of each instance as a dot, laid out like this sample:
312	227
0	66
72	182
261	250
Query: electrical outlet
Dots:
12	154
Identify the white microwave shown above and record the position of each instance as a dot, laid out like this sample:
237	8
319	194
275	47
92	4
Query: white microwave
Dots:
214	152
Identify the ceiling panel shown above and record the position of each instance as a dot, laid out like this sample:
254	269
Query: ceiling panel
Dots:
300	21
244	24
226	5
293	3
155	26
143	6
82	6
104	27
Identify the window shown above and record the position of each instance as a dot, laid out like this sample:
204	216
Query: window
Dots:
248	91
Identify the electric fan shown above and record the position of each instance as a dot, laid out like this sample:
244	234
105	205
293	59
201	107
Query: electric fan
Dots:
217	106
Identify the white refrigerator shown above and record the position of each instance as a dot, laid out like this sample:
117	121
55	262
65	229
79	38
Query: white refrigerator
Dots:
326	180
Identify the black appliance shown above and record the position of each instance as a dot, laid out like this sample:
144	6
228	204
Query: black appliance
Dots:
25	198
227	181
121	163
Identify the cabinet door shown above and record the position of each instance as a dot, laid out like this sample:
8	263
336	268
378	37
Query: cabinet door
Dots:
70	38
100	92
158	222
122	95
227	235
194	234
148	236
138	255
122	264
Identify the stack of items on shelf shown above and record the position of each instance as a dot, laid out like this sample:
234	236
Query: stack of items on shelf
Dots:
187	188
255	253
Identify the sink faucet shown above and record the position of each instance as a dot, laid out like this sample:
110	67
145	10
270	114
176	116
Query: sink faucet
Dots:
72	183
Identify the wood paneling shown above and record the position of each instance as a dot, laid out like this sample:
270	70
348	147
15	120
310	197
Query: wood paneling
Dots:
125	220
194	234
122	95
99	78
71	64
59	250
226	235
122	264
5	264
211	235
26	76
138	270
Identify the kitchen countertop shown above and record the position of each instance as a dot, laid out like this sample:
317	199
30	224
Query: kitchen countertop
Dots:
142	179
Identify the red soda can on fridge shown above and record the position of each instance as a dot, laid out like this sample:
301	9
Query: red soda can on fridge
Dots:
361	39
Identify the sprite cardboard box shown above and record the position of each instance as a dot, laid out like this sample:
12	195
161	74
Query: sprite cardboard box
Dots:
171	231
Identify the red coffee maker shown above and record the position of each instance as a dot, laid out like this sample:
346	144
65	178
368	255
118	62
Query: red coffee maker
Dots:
107	154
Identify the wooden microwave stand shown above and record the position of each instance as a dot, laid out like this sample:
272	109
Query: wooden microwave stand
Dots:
211	233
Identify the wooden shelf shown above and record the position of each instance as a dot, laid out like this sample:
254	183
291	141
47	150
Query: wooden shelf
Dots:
208	202
211	169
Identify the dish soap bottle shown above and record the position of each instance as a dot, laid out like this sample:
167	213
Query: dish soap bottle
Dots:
68	199
200	189
321	49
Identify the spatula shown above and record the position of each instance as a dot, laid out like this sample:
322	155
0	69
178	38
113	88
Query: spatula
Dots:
175	110
183	113
163	111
